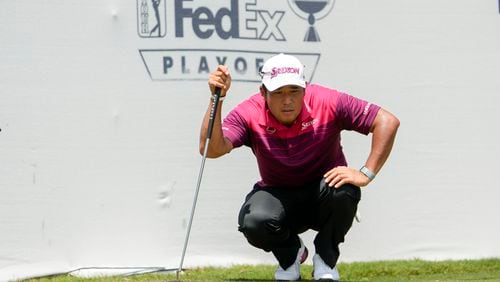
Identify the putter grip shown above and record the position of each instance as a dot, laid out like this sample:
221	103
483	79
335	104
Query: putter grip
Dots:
213	112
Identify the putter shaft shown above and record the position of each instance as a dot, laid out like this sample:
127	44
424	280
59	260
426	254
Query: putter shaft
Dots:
213	112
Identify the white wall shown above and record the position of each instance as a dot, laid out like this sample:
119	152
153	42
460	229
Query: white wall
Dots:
98	147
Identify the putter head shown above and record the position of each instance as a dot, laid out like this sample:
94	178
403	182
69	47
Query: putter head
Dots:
177	274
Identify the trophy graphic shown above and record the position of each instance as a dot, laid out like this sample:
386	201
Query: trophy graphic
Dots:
311	10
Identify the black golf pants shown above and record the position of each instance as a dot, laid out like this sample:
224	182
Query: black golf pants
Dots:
272	217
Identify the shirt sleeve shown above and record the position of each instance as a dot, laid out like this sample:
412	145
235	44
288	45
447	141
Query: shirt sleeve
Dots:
234	128
356	114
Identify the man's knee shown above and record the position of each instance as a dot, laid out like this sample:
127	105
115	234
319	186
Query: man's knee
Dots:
259	223
261	230
348	192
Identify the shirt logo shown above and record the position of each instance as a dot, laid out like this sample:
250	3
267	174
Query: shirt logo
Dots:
307	124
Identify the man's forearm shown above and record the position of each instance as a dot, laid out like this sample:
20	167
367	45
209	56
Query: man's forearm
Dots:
384	134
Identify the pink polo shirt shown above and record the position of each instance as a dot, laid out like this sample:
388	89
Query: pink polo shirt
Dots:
302	153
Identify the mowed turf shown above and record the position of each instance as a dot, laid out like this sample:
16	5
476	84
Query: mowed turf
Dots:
408	270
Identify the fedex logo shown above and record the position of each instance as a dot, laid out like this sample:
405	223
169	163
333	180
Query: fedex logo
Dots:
235	19
240	19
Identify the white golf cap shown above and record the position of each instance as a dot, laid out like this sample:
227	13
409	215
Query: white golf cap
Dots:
281	70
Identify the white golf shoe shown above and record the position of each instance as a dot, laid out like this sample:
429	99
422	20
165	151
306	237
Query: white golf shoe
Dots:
292	273
323	272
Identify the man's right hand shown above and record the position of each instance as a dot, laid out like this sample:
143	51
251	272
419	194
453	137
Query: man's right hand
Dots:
220	78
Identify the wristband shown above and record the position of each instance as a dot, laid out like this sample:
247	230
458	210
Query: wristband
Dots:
221	98
364	170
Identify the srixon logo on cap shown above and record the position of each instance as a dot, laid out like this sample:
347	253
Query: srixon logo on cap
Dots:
282	70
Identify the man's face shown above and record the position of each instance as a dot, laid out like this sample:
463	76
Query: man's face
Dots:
285	103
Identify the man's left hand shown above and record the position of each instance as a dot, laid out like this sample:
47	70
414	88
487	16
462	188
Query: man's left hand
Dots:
342	175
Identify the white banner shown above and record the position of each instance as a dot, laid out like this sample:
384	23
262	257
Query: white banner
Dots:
101	104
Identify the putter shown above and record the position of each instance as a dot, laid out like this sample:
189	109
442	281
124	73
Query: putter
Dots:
213	112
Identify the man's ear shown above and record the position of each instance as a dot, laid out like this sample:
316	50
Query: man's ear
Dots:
262	91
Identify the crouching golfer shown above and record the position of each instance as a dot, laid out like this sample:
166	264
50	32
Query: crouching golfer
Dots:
293	129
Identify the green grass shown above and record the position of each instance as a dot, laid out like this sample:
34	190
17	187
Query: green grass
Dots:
408	270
